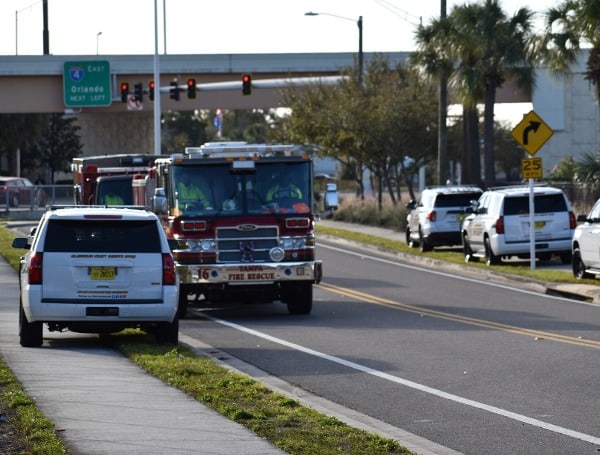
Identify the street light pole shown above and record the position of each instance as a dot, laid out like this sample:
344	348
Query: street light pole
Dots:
97	36
360	49
360	38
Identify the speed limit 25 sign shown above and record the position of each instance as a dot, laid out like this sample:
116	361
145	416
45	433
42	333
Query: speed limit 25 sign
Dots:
531	168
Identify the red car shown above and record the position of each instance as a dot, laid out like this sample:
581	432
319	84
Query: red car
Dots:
19	190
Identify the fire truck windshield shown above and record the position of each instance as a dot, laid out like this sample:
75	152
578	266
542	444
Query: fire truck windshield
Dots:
215	188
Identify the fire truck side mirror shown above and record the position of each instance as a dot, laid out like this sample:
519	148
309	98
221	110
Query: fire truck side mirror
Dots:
159	201
331	197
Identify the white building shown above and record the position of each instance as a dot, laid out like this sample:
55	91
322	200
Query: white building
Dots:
569	106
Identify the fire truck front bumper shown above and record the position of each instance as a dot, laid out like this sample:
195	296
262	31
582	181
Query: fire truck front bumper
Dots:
251	273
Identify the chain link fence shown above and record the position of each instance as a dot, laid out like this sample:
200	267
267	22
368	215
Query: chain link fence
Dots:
18	200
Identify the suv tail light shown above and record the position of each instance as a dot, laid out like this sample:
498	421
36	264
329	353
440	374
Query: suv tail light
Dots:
572	221
431	216
500	225
168	275
34	274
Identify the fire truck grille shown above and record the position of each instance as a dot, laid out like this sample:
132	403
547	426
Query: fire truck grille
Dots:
235	244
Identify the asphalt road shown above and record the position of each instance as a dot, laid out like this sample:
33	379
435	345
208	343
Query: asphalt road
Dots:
475	366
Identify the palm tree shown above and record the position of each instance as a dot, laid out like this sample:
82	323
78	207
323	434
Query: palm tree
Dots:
483	47
568	26
492	48
434	55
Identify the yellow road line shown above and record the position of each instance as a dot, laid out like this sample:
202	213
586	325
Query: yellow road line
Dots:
370	298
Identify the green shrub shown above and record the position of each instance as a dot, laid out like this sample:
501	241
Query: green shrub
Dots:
354	210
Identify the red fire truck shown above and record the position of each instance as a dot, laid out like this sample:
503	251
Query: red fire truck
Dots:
248	233
95	178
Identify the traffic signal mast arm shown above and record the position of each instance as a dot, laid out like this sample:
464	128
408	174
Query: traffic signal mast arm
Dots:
258	84
191	87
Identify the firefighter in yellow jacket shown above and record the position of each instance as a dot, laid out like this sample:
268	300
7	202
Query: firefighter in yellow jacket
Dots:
284	188
189	194
113	199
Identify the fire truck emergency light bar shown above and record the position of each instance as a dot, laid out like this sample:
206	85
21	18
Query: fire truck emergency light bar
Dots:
241	150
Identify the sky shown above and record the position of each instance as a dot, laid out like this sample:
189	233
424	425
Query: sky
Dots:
108	27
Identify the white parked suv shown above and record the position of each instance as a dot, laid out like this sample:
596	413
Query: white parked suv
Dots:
435	219
586	244
97	270
498	226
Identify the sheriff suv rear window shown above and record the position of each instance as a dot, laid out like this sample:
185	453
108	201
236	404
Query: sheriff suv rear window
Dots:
456	200
70	236
544	203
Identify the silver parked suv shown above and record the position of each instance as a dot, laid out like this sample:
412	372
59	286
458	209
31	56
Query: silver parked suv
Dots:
95	270
498	226
435	219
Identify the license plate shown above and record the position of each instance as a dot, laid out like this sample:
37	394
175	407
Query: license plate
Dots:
103	273
539	224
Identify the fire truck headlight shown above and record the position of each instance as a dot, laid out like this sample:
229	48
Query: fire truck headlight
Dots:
207	246
276	254
294	243
201	245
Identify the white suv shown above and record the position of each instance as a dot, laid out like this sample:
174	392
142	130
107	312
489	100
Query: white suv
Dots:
435	219
498	226
97	270
586	244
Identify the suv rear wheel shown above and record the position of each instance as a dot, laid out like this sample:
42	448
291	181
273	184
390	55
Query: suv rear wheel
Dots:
424	243
30	333
168	332
490	257
578	266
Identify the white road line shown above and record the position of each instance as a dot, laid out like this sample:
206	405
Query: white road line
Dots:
413	385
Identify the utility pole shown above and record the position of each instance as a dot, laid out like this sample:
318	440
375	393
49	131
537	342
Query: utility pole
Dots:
46	32
442	161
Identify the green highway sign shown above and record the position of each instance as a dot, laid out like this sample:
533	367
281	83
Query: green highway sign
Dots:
87	84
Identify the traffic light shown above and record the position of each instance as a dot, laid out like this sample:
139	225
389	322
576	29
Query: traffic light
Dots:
246	84
191	88
151	90
124	91
174	91
138	91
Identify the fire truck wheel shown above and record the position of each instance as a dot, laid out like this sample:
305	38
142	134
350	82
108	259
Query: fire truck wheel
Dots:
300	300
183	304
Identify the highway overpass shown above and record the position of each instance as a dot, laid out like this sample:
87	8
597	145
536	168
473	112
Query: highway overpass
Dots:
31	84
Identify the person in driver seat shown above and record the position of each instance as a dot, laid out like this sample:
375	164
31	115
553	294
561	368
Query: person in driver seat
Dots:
284	187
